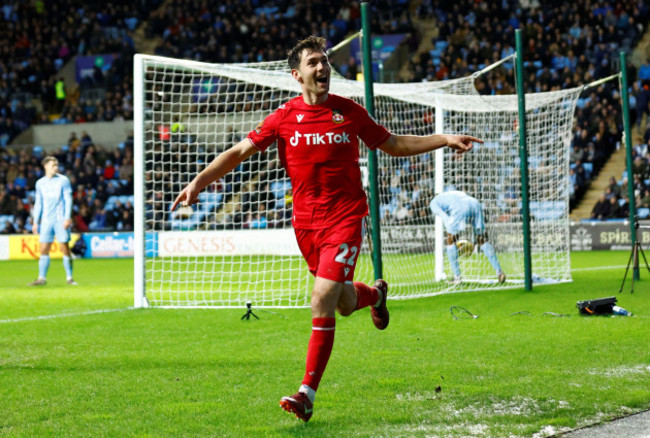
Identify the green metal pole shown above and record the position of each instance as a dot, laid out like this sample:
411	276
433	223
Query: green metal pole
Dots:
372	155
628	156
523	160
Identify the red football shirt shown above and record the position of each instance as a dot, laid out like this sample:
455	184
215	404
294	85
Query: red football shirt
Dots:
318	146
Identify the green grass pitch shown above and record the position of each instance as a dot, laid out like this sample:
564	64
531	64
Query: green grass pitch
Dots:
76	361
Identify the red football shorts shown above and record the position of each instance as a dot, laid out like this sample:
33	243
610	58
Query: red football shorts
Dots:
332	253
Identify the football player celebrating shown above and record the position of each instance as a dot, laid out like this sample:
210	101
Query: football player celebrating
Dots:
456	209
317	137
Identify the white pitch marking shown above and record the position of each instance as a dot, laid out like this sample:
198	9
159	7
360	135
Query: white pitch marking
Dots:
61	315
595	268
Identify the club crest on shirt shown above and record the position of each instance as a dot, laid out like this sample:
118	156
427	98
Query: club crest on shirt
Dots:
258	128
337	117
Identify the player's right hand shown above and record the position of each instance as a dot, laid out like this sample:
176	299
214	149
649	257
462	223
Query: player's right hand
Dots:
189	196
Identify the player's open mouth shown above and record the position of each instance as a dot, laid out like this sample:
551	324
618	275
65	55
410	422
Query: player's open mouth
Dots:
322	80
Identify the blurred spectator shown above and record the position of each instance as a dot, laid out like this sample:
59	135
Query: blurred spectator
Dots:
8	228
639	167
644	71
80	224
19	227
109	170
126	221
614	210
59	94
614	188
99	220
577	154
86	141
259	220
641	95
115	215
6	206
601	209
576	181
645	200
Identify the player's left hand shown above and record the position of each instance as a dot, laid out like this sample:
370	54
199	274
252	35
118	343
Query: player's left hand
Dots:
462	143
67	223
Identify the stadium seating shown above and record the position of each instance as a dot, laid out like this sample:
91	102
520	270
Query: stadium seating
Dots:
123	199
547	210
45	45
643	212
548	62
548	55
6	218
279	189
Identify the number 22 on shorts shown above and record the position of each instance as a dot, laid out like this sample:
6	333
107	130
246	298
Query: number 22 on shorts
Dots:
342	257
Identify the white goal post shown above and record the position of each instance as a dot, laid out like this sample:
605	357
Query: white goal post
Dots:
237	244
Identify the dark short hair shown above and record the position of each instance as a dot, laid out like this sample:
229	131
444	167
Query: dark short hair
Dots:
47	159
311	43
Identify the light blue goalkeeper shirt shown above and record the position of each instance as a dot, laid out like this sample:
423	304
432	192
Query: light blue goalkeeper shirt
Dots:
456	209
53	200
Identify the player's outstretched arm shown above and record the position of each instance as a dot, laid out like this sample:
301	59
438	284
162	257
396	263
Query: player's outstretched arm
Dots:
220	166
407	145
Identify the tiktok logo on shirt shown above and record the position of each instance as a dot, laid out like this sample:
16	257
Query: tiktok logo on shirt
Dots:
317	139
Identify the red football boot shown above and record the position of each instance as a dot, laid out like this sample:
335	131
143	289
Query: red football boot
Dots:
379	313
298	404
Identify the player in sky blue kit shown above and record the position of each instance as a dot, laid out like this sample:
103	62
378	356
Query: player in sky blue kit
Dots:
457	209
52	218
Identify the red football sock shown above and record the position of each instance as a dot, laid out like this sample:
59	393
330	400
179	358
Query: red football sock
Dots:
319	350
366	295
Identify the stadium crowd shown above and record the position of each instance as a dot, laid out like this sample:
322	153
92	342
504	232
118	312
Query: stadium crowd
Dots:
38	38
614	201
101	179
568	44
255	31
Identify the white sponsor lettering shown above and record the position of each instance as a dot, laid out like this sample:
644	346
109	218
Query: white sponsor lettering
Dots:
315	139
108	244
189	244
244	242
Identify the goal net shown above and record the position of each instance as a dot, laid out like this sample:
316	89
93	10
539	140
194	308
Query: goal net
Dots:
237	244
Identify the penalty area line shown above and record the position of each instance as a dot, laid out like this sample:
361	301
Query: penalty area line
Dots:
62	315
